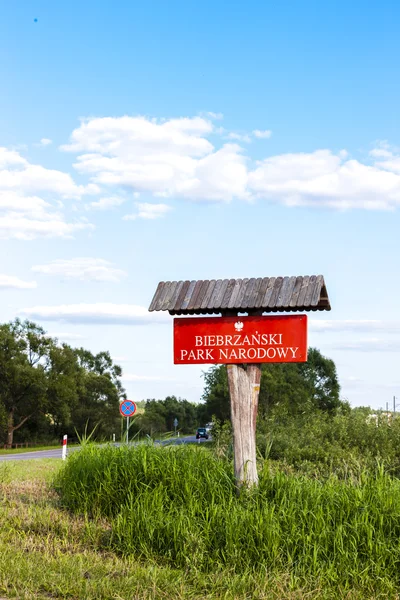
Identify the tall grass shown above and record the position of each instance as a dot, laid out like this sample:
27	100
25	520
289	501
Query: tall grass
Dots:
179	505
322	443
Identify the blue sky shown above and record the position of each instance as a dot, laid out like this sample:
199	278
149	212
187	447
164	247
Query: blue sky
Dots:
183	140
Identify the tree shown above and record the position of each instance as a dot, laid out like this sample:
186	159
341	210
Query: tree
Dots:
62	387
51	388
99	391
23	348
215	395
159	416
289	388
320	376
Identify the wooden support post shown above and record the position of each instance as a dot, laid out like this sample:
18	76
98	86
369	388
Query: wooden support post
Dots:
244	388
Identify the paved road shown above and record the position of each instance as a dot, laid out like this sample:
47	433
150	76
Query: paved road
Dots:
188	439
35	454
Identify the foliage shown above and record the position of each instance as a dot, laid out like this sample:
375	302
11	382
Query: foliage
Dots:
23	348
294	387
216	394
322	443
48	389
179	506
159	415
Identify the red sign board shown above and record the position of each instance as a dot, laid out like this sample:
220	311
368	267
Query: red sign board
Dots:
229	340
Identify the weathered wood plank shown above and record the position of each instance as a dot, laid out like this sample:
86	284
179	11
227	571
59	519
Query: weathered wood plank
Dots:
170	292
202	293
303	291
155	297
288	292
261	292
174	297
254	294
296	292
319	282
208	294
279	299
268	292
221	294
275	292
162	295
241	293
182	294
310	290
235	294
214	294
248	293
188	295
194	296
228	294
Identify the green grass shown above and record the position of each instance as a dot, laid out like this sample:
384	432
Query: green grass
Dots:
178	507
45	552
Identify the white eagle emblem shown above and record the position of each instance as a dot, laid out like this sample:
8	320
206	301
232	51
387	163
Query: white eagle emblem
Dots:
239	325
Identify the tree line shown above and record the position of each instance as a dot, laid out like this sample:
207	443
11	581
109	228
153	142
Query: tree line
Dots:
48	388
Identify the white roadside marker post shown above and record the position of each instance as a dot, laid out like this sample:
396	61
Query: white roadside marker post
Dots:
64	448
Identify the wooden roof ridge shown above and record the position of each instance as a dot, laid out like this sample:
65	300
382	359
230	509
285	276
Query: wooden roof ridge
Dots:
255	295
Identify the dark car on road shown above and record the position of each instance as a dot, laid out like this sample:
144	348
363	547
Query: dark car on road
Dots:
201	433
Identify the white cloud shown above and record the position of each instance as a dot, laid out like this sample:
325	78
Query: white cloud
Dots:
134	135
148	211
45	142
266	133
24	212
388	157
26	227
132	377
84	269
214	115
19	175
360	325
175	157
322	178
11	282
241	137
370	345
68	337
33	206
169	158
107	202
97	313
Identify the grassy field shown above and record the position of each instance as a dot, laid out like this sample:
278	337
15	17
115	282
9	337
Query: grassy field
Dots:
29	449
121	551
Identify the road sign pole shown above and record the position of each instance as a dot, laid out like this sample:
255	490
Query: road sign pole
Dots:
127	408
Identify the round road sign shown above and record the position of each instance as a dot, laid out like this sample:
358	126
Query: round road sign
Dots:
127	408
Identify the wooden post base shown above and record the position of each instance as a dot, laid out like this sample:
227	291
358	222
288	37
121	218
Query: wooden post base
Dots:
244	387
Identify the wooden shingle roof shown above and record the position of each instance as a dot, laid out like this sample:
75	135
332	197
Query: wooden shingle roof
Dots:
264	294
